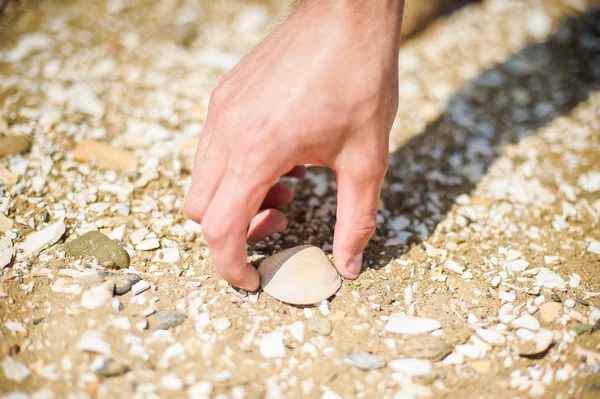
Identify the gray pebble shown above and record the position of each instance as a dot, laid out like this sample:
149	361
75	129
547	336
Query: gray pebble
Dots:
113	368
123	283
319	324
163	320
97	245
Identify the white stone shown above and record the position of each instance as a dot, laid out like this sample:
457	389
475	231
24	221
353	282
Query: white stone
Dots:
404	324
200	390
139	235
175	350
166	255
506	296
99	207
271	345
221	324
28	43
453	266
454	358
574	280
83	99
88	277
594	247
546	278
527	321
539	23
411	367
171	382
147	245
91	341
39	240
61	286
570	303
469	350
492	337
590	181
297	331
517	265
550	259
6	251
97	296
121	322
139	287
496	281
15	370
15	327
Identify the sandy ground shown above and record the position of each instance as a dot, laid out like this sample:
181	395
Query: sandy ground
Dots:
489	218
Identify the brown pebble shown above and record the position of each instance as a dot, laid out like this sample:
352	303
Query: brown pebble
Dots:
550	311
556	298
105	155
14	145
582	301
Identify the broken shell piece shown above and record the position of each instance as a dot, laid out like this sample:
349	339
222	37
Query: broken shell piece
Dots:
301	275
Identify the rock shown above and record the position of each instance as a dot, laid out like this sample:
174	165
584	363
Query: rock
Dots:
83	99
221	324
482	366
404	324
365	360
167	255
453	266
570	303
583	328
105	155
9	178
201	389
15	370
556	298
121	322
139	287
171	382
89	277
113	368
412	367
124	283
582	301
163	320
546	278
36	242
506	296
97	245
297	330
319	324
98	296
594	247
28	43
148	245
6	251
491	337
91	341
527	321
5	223
542	341
271	345
425	347
61	286
550	311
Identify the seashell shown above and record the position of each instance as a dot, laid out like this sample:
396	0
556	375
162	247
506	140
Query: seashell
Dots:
301	275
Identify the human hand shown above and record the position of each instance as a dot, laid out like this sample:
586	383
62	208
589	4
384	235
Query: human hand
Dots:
321	89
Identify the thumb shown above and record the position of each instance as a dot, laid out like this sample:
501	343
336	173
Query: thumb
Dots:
358	197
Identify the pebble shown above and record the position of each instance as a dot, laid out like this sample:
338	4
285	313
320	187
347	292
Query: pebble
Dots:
546	278
570	303
91	341
482	366
297	331
6	251
540	344
491	337
365	360
61	286
271	345
550	311
583	328
527	321
88	277
28	43
147	245
594	247
200	390
15	370
404	324
582	301
319	324
163	320
166	255
139	287
124	283
39	240
13	145
121	322
221	324
171	382
98	296
83	99
113	368
453	266
425	346
99	246
412	367
105	156
506	296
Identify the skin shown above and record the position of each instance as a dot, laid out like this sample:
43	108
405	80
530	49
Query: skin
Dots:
321	89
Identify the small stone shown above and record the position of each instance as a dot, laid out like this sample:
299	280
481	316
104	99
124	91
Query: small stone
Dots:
496	281
221	324
105	155
582	301
412	367
89	277
13	145
583	328
404	324
491	337
113	368
570	303
271	345
453	266
61	286
83	99
140	287
337	315
594	247
297	330
98	296
121	322
542	341
147	245
425	346
15	370
6	251
506	296
546	278
319	324
527	321
39	240
97	245
166	255
482	366
549	311
91	341
5	223
124	283
171	382
163	320
200	390
556	298
365	360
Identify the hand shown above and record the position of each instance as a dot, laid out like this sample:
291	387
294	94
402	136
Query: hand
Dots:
321	89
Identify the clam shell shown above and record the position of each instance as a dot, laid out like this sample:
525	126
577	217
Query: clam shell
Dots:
301	275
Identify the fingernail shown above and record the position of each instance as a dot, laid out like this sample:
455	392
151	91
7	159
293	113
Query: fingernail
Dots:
354	265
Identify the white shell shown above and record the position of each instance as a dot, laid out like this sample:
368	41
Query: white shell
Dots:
301	275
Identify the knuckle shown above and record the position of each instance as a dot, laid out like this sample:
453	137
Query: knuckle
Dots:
363	227
221	97
213	232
